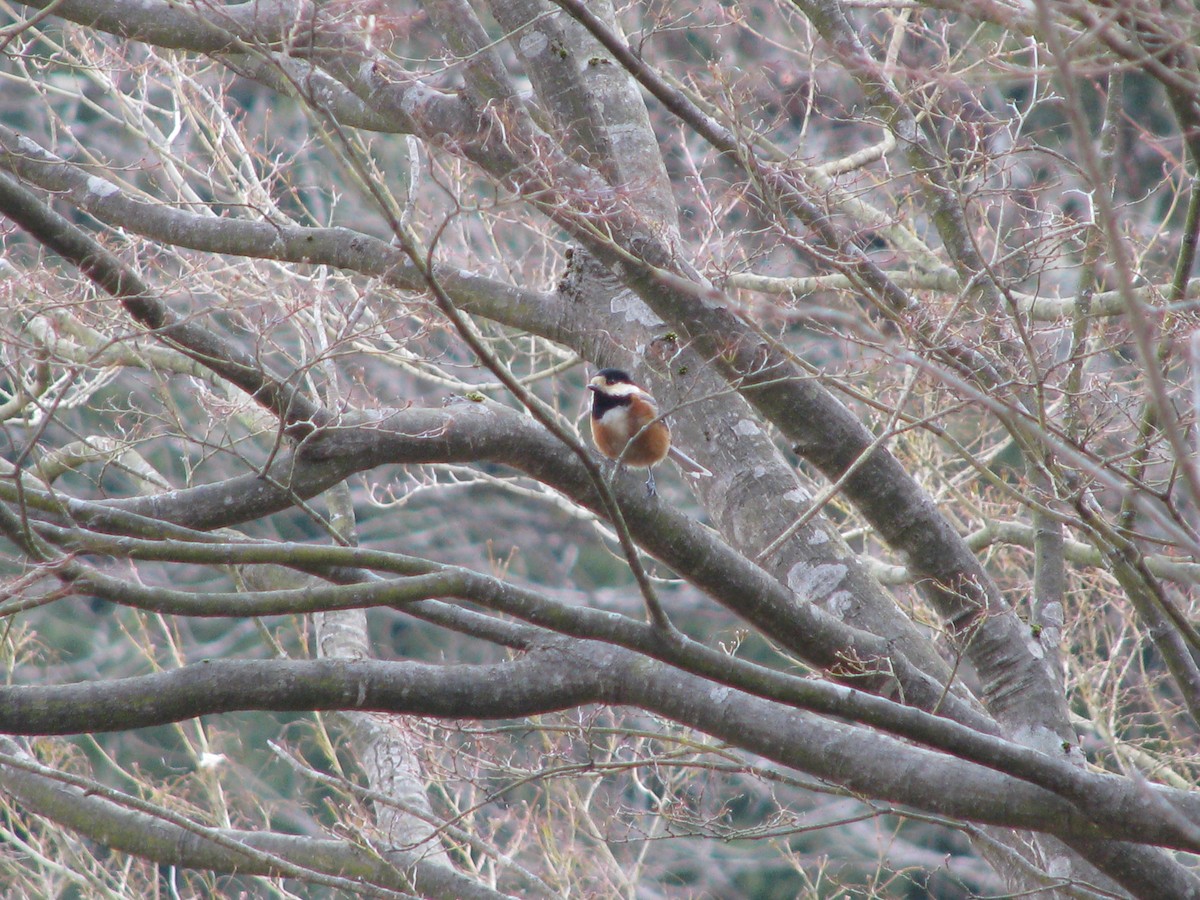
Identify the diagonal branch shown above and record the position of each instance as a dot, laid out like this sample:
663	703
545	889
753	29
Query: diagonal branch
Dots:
298	415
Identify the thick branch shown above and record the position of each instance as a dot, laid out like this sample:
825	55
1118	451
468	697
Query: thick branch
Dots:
563	676
182	26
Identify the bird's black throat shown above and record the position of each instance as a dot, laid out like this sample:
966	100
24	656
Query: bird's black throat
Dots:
602	402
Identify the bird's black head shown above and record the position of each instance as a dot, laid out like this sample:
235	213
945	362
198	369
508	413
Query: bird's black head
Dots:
611	388
614	376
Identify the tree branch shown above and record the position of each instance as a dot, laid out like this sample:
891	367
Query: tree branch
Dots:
297	414
126	824
560	676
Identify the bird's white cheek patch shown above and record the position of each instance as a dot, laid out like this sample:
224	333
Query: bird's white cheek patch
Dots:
622	390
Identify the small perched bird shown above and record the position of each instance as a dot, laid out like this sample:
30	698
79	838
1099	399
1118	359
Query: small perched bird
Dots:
627	427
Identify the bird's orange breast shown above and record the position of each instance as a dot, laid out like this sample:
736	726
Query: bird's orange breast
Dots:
614	431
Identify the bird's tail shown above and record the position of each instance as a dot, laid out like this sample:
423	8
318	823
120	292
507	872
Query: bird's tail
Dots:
688	464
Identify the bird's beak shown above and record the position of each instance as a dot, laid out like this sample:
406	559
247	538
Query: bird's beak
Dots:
593	387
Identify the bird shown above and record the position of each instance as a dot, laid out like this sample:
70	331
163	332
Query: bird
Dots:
627	425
